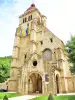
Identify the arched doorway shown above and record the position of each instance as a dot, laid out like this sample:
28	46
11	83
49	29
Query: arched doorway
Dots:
34	83
57	83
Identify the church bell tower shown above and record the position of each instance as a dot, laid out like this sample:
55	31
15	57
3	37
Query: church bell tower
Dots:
25	50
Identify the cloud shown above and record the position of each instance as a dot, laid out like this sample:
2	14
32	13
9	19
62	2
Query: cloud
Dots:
60	16
60	19
9	13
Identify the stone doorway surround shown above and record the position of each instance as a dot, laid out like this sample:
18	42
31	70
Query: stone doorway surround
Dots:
32	87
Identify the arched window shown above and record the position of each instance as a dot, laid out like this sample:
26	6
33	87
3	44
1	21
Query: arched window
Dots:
23	20
41	42
25	56
47	54
31	17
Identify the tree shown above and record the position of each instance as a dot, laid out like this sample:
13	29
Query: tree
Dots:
70	47
5	63
4	73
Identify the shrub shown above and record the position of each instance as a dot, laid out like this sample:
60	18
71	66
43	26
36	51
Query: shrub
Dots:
5	97
50	97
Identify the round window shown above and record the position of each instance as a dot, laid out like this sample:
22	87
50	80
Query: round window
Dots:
34	63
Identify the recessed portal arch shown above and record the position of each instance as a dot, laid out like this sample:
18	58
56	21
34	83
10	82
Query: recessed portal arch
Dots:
35	83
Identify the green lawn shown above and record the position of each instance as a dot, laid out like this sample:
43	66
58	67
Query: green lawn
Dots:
9	95
66	97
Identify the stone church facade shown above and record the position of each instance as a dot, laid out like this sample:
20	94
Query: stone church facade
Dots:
39	63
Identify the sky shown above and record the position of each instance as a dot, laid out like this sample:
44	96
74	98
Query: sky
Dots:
60	19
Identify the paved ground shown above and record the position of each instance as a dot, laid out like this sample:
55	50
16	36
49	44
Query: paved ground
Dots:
66	94
25	97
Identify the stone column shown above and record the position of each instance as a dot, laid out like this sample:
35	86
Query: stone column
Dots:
53	77
26	84
33	37
43	86
26	88
54	84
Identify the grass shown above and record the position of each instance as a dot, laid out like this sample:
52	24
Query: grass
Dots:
65	97
9	95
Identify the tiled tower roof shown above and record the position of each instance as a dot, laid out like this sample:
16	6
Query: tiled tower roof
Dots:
31	7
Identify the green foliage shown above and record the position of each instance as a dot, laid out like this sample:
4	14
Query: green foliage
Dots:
70	47
50	97
5	63
5	97
63	97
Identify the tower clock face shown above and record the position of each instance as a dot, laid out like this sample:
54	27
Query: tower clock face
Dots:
47	54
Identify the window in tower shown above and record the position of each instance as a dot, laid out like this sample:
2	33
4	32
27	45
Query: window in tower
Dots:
41	42
23	20
51	39
31	17
25	56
